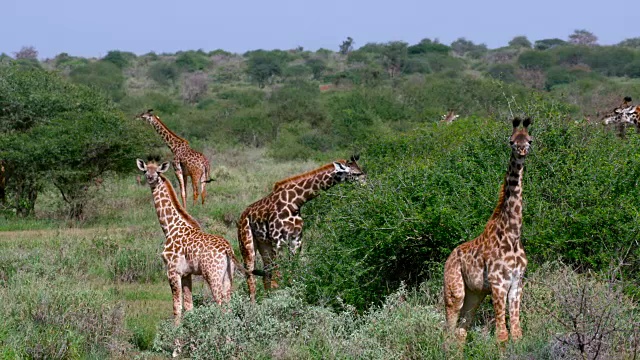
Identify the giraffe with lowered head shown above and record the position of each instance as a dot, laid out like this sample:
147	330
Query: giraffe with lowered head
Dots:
187	249
274	221
186	161
494	262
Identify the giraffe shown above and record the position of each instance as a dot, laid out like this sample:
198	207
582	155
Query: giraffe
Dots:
494	262
187	249
623	115
275	221
449	117
186	161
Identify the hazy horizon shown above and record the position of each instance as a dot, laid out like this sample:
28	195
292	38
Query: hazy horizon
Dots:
83	29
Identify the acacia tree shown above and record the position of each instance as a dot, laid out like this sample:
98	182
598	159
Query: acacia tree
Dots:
347	46
583	37
262	65
55	133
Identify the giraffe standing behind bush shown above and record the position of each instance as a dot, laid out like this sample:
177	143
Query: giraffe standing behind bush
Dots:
274	221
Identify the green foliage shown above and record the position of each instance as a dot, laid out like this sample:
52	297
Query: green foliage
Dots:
547	44
576	195
536	60
61	132
520	42
464	47
120	59
192	61
426	46
164	73
504	72
631	42
263	65
317	66
102	75
67	62
611	61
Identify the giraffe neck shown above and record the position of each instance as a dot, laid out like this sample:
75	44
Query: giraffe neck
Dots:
171	214
300	191
508	213
170	138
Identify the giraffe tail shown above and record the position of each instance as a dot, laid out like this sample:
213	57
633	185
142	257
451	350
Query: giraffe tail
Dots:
207	172
240	267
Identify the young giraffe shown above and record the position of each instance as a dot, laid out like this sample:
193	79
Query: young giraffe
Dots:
186	161
188	250
494	262
274	221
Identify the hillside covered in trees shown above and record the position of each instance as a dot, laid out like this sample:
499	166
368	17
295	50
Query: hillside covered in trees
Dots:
371	264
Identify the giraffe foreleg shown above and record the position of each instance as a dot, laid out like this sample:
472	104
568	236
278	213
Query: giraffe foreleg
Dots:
515	296
187	294
499	299
176	291
268	254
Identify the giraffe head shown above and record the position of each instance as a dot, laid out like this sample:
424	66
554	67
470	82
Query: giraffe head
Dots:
147	115
152	171
349	170
520	140
621	114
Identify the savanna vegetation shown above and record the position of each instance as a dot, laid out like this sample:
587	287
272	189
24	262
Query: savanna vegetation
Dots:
80	272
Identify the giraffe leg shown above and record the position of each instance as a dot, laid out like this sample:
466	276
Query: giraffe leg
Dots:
186	290
203	187
515	296
246	242
176	291
214	279
195	177
181	180
499	299
268	254
454	296
227	280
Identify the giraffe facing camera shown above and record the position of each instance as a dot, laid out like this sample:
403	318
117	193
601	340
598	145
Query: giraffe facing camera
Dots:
188	250
494	262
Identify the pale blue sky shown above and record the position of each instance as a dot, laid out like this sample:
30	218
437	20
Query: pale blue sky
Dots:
92	28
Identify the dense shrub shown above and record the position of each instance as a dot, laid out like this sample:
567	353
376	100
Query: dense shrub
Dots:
432	190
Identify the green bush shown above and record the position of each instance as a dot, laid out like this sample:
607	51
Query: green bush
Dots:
436	188
192	61
164	73
102	75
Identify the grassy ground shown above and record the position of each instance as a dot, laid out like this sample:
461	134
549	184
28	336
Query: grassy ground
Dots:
114	257
98	290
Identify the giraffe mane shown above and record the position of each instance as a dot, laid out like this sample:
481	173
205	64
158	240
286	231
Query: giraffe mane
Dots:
305	175
174	200
169	130
498	209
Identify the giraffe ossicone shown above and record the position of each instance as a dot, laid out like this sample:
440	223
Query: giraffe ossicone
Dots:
186	161
493	263
188	250
274	221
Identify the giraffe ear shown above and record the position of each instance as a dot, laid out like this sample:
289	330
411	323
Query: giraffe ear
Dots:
339	166
355	157
141	165
163	167
526	122
516	122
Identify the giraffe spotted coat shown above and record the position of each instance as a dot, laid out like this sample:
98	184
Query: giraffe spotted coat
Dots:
274	221
188	250
186	161
494	262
